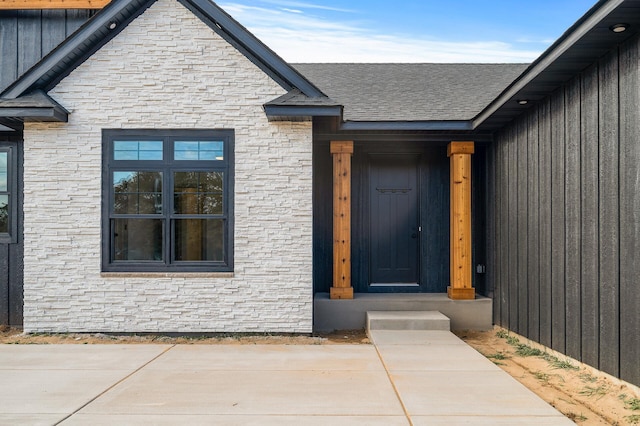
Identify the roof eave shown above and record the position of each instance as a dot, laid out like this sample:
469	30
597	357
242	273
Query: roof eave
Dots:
36	106
275	111
6	128
430	125
570	39
42	114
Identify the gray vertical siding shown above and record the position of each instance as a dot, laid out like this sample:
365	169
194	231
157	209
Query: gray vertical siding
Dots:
544	220
533	236
521	227
493	229
590	241
558	305
565	180
502	192
630	213
609	215
512	229
26	36
572	218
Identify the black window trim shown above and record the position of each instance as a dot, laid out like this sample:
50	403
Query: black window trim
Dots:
110	165
10	148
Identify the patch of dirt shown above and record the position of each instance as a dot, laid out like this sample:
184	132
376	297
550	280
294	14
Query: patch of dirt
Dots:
583	394
17	337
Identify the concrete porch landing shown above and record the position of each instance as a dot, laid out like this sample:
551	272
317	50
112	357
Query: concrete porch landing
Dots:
329	315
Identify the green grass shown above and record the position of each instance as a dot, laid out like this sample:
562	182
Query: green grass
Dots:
498	355
586	377
576	417
634	420
632	404
503	334
598	391
512	340
543	377
524	350
564	365
549	358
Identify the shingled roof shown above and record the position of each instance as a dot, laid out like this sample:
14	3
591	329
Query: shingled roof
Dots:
411	92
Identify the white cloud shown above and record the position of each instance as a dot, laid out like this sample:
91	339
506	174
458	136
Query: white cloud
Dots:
546	41
304	5
301	37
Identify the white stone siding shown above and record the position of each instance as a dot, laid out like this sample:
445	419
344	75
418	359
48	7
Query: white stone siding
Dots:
167	70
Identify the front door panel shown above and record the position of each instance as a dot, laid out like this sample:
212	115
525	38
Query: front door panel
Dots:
394	220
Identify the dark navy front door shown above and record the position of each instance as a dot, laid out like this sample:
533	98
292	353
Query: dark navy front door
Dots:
394	221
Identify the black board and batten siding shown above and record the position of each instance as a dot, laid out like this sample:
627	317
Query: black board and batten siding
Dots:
564	224
26	36
11	246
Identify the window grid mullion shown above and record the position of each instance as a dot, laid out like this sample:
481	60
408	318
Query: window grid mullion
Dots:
168	204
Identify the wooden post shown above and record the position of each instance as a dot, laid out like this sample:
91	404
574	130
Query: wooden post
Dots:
341	152
52	4
461	287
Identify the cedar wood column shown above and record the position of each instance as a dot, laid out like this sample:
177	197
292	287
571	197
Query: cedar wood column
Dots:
341	152
461	287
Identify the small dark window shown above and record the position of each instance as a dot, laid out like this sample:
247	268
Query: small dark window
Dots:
8	192
168	200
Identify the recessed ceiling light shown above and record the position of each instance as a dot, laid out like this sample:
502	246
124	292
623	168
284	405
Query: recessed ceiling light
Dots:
113	25
523	102
619	28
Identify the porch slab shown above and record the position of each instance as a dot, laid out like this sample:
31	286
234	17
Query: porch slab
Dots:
351	314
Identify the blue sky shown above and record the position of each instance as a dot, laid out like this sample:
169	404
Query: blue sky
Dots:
407	31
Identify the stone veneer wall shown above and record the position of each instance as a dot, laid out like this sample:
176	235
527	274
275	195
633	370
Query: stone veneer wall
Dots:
168	70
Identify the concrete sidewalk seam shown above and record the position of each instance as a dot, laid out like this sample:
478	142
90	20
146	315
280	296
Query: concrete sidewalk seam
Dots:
393	385
114	385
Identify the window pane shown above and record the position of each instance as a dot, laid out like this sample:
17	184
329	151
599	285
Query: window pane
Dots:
137	192
198	192
4	156
198	150
137	150
137	239
4	213
199	239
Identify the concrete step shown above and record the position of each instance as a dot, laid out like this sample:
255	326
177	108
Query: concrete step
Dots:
407	320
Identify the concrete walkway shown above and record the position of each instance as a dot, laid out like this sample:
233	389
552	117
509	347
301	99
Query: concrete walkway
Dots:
407	377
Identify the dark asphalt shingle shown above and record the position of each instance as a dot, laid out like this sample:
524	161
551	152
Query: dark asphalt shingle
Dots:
296	98
411	92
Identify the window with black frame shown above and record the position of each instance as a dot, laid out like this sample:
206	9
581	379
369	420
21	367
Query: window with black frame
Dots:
168	198
8	192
